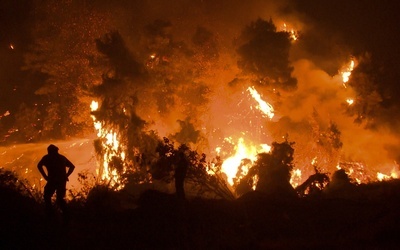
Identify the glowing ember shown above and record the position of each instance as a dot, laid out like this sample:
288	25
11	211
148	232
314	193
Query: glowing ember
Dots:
314	161
265	107
350	101
7	113
94	106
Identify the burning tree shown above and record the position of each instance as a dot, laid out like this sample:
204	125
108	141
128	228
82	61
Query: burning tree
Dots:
126	145
137	90
204	177
369	99
122	144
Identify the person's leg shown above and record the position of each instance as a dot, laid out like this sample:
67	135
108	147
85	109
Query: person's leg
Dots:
49	190
61	191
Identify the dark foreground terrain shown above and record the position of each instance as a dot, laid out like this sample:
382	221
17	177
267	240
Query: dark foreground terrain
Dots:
366	219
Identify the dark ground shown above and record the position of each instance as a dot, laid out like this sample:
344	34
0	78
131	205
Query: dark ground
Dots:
367	219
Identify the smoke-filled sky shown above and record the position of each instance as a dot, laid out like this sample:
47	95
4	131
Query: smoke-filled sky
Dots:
330	34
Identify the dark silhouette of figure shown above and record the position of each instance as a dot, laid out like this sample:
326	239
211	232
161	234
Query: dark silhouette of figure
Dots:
181	167
56	178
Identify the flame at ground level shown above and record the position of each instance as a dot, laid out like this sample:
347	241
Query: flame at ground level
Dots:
242	151
23	159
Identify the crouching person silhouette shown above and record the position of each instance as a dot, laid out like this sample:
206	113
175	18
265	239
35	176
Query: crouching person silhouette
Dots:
56	177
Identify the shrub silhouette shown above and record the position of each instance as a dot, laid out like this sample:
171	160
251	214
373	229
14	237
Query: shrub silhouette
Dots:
314	185
273	171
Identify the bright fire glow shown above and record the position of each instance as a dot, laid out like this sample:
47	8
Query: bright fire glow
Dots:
292	32
382	177
394	174
94	106
350	101
110	142
346	72
265	107
242	151
314	161
295	178
7	113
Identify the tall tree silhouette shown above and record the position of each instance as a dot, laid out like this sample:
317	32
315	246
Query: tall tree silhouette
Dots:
64	53
264	54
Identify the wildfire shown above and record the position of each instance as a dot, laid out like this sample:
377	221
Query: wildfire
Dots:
7	113
242	151
293	34
265	107
394	174
346	72
350	101
109	141
234	166
295	179
94	106
382	177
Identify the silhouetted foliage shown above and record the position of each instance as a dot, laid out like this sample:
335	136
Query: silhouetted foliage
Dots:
187	133
11	182
246	183
197	173
340	185
327	138
87	182
264	53
272	171
102	199
114	48
314	184
365	79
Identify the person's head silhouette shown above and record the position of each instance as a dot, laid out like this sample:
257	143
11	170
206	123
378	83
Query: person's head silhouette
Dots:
52	149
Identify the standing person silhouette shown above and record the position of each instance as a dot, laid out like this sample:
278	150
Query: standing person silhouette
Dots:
56	178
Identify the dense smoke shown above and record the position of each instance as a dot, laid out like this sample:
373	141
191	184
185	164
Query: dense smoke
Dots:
182	68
